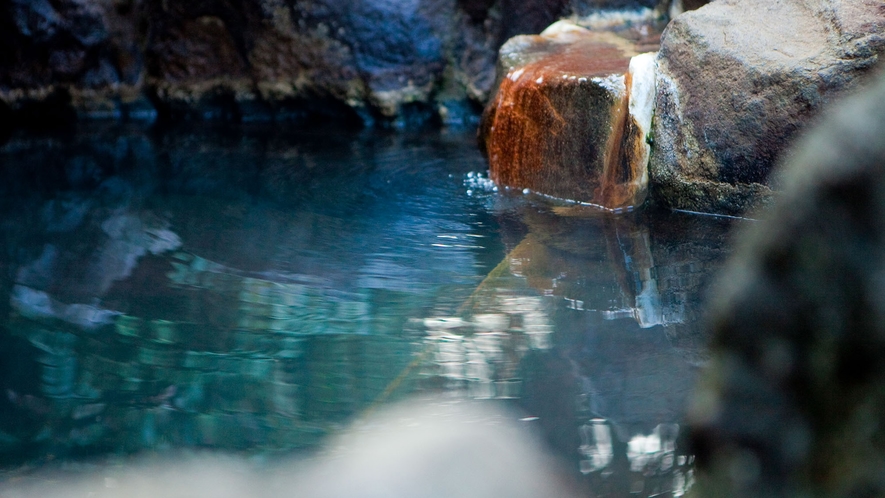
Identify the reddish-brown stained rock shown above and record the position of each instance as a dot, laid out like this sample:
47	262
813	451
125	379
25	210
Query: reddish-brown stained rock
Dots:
560	125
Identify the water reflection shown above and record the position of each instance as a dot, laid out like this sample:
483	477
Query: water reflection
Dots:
257	289
621	296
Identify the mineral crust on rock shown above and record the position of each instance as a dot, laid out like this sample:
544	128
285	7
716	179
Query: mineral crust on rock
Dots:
738	79
571	117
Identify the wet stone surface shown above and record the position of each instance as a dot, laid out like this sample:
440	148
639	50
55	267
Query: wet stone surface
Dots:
561	122
798	329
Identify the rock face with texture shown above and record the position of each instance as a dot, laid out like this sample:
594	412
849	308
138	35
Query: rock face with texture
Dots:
399	61
66	55
571	116
794	401
738	79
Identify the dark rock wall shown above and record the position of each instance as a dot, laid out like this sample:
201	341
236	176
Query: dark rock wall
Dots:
68	42
589	7
393	61
54	54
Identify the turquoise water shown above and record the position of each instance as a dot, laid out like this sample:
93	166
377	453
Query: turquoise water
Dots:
253	289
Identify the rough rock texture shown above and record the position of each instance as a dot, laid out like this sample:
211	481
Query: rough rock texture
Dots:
86	54
562	122
794	401
398	61
738	79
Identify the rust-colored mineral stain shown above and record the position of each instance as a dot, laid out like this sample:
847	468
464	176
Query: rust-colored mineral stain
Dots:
621	160
539	134
588	58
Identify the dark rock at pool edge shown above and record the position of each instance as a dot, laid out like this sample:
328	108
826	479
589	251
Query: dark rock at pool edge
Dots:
793	403
397	62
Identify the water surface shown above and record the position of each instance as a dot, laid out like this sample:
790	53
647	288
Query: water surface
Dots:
254	289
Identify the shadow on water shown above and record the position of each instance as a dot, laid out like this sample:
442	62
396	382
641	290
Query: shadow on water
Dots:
253	289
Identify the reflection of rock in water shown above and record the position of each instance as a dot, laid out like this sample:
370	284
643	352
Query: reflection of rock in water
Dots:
622	297
482	354
638	380
611	401
295	359
652	269
45	286
688	251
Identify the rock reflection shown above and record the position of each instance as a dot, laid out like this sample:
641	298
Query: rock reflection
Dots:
596	446
481	355
653	459
75	275
607	264
622	295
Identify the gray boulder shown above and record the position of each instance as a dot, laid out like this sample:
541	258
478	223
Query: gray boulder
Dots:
738	80
419	449
793	403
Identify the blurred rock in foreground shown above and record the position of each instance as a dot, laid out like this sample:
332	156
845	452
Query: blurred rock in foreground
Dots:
415	450
793	403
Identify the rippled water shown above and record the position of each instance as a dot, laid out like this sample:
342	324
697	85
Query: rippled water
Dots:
254	289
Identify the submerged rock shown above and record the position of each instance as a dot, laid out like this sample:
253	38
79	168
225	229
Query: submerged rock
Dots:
738	79
571	116
794	399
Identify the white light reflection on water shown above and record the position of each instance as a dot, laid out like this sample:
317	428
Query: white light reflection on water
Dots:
652	454
655	450
482	355
596	446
